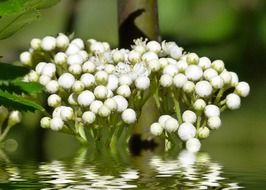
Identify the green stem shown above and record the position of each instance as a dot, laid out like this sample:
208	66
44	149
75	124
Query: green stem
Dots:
177	108
4	134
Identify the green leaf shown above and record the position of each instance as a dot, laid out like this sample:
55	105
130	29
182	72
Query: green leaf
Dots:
20	87
10	72
82	133
18	102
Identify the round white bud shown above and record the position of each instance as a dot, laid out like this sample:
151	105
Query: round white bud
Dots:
182	65
179	80
112	83
218	65
85	98
154	46
73	99
186	131
88	117
163	62
109	68
111	104
118	56
33	76
60	58
52	86
15	117
203	89
148	56
121	102
242	89
25	58
88	67
75	69
209	74
171	125
142	82
48	43
104	111
125	80
45	122
62	41
226	76
78	86
194	72
192	58
156	129
166	80
129	116
66	80
101	77
170	70
154	65
189	116
217	82
66	113
134	56
214	122
234	79
87	79
57	112
205	63
97	47
124	90
78	42
233	101
74	59
56	123
84	55
175	52
35	43
44	79
100	92
212	110
49	69
199	105
189	87
203	132
72	49
193	145
162	119
95	105
54	100
39	67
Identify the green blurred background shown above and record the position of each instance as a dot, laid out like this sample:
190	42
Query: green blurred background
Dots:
231	30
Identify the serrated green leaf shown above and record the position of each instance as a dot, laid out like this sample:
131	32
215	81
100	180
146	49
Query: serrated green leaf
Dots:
28	87
10	72
18	102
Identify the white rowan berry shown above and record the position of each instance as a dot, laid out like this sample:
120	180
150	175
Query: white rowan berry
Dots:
142	83
66	113
179	80
95	105
194	72
214	122
45	122
111	104
104	111
171	70
84	55
123	90
203	89
134	56
212	110
234	80
121	102
205	63
88	117
242	89
118	56
57	112
100	92
182	65
156	129
60	58
154	46
109	68
56	123
101	77
112	83
97	48
203	132
72	49
217	82
148	56
39	67
78	86
35	43
66	80
78	42
154	65
52	86
75	69
209	74
192	58
218	65
125	80
26	58
87	79
193	145
85	98
74	59
73	99
175	52
14	118
188	87
62	41
129	116
162	120
171	125
163	63
189	116
186	131
233	101
199	105
49	69
44	79
166	80
48	43
54	100
89	67
226	76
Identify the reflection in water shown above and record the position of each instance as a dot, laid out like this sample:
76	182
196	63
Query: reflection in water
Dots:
109	170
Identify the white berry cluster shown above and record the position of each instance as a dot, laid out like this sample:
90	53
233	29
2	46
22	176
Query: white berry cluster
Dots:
91	85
